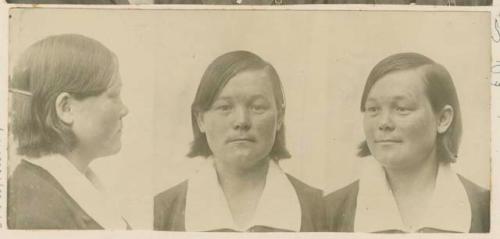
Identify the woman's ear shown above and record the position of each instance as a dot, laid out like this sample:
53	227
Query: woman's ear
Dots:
279	121
63	108
200	121
445	118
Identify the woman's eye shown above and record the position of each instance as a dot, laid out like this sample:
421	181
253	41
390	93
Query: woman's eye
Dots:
258	108
223	108
371	109
402	110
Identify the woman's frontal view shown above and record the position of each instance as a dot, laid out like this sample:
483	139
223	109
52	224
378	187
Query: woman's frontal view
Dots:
238	126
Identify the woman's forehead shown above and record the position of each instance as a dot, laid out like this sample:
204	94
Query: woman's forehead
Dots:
399	84
249	80
116	80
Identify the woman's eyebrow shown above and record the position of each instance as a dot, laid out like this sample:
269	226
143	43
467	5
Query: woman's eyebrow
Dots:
258	96
401	96
222	98
404	97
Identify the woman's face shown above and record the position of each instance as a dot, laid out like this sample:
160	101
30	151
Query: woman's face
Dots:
241	124
98	121
399	123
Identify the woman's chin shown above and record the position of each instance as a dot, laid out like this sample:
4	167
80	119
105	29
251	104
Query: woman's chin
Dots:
245	161
111	151
390	162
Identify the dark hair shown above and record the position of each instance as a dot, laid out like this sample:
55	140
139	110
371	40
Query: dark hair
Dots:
440	91
69	63
216	76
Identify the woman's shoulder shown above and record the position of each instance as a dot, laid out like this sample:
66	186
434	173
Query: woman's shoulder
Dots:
342	199
62	1
169	207
30	177
341	207
311	204
474	191
37	201
174	193
303	188
479	199
349	191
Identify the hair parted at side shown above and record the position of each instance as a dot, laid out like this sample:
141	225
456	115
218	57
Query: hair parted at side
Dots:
216	76
70	63
440	91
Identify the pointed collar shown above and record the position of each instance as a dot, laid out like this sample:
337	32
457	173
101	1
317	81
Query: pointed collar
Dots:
207	208
89	198
448	210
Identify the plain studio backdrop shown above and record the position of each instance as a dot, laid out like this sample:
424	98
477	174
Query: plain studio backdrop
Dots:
322	57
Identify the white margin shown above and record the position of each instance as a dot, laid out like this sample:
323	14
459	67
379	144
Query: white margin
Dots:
495	119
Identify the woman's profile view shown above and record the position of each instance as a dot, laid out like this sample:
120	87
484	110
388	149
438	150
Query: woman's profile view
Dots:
66	113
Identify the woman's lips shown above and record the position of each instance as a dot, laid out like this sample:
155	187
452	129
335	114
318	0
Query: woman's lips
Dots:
241	140
388	141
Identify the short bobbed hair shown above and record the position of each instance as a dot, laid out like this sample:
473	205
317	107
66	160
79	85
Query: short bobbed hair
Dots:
69	63
216	76
439	89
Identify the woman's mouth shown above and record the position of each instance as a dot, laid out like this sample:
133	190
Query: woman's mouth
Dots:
388	141
241	140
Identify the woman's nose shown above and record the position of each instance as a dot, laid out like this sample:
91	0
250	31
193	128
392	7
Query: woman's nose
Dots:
385	122
241	119
124	110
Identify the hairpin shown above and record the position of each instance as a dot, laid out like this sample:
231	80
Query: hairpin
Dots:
283	104
22	92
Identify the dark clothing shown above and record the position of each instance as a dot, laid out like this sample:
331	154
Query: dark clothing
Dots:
341	208
170	205
37	201
97	2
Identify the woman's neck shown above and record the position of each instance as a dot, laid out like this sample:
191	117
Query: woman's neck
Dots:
240	179
408	180
413	188
79	160
243	189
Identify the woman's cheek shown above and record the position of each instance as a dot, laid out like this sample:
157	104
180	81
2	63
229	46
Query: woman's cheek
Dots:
266	124
369	128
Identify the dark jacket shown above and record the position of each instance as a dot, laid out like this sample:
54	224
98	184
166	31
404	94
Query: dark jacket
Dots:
37	201
97	2
341	207
170	205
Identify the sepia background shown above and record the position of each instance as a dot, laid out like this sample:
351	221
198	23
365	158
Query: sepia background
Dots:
323	58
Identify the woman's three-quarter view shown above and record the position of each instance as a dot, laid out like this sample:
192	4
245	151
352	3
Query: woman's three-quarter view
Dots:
413	125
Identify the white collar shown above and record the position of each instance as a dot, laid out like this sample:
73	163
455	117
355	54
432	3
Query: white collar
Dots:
89	198
376	210
207	208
